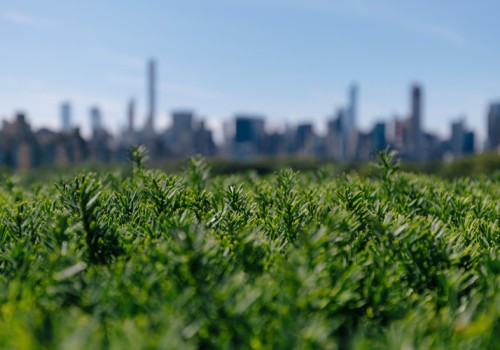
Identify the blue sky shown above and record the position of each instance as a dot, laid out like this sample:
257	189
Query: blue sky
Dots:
289	60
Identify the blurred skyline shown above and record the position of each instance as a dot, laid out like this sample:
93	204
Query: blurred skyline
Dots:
288	60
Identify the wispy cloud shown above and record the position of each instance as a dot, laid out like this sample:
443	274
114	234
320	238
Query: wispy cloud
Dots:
167	87
381	11
192	91
445	34
359	8
27	20
404	19
10	83
118	58
125	80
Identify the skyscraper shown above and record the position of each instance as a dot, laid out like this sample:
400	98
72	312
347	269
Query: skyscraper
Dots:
493	142
461	140
182	122
249	134
416	122
304	135
457	138
95	119
350	120
335	143
131	114
65	116
469	142
379	141
349	130
249	129
180	140
151	97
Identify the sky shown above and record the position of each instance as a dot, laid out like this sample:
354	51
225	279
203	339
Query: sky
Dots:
290	61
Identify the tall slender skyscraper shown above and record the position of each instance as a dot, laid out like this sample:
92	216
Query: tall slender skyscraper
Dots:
131	114
416	121
95	119
493	128
65	116
349	132
151	96
350	122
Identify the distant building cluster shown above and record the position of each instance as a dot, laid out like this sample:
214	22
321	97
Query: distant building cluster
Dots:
245	137
344	141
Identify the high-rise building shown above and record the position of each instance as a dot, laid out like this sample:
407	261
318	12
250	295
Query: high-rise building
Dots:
182	122
249	129
131	115
129	136
303	137
462	141
303	134
469	146
99	144
275	144
493	141
249	135
203	141
151	97
401	134
351	115
350	132
335	137
416	122
180	139
95	119
65	117
379	142
457	139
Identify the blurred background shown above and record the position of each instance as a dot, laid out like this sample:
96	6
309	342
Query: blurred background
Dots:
241	72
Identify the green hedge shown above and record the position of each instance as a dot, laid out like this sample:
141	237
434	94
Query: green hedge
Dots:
307	260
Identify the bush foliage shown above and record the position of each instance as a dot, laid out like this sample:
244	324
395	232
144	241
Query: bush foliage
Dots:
144	259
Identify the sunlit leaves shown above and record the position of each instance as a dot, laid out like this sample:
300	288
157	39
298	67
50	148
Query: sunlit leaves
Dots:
291	260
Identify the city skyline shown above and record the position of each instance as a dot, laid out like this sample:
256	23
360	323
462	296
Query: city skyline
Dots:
23	147
289	61
246	136
96	120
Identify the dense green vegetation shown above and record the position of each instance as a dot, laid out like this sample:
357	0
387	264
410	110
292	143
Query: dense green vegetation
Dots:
142	259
